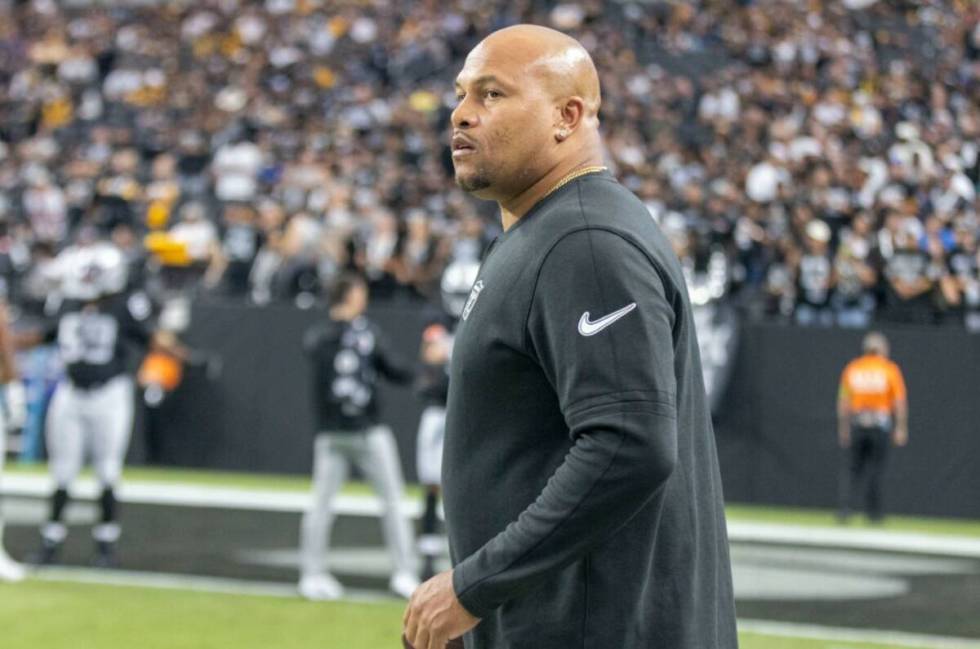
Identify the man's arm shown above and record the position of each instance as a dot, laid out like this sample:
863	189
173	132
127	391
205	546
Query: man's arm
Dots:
8	362
390	366
138	325
614	378
843	414
900	436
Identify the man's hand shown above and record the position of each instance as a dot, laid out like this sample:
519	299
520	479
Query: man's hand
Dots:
434	615
844	436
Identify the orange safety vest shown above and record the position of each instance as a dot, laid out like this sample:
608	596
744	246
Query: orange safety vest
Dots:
872	383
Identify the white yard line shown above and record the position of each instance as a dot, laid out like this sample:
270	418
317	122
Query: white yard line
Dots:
188	495
836	537
840	634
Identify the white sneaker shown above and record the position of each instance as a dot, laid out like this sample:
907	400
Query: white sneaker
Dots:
319	588
10	570
403	584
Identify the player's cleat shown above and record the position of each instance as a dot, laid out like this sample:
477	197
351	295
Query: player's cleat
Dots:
403	584
105	555
318	588
10	570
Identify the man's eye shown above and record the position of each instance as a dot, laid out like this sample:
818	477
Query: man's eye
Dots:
493	94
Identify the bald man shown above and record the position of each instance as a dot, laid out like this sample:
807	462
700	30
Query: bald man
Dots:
582	495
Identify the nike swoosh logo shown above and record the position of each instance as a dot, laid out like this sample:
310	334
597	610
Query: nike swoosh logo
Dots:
588	327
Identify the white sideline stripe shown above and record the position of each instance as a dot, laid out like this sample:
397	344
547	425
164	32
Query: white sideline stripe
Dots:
170	581
841	634
881	540
188	495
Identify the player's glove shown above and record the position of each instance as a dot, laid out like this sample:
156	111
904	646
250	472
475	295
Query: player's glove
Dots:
15	398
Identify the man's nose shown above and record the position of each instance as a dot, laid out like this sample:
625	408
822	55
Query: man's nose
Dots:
464	116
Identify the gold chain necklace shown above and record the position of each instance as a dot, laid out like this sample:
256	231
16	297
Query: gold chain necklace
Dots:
569	177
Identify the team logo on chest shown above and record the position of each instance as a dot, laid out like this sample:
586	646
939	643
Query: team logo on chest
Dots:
471	301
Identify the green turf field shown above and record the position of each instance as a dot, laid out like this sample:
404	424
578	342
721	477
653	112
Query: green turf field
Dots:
294	483
63	615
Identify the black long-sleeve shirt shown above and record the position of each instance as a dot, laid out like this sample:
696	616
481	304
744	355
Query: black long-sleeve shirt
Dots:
348	358
582	492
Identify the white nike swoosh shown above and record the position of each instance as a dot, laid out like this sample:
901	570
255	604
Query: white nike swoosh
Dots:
591	328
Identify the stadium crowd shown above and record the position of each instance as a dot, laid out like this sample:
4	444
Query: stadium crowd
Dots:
824	154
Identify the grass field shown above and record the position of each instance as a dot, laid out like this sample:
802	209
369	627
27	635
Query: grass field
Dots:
294	483
49	614
62	615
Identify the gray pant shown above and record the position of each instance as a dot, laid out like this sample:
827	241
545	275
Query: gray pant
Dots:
100	419
376	454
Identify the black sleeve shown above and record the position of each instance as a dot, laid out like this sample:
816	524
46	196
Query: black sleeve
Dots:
390	365
600	325
138	318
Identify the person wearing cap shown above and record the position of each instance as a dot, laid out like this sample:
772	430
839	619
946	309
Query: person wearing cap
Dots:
814	277
872	415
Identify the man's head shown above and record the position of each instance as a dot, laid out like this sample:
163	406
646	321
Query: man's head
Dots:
528	99
348	296
875	343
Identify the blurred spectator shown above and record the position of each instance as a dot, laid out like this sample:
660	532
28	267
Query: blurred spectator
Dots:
236	168
45	207
964	268
855	278
814	277
750	120
239	246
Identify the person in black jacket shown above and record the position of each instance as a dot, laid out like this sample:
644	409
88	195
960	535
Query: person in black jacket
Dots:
580	478
349	357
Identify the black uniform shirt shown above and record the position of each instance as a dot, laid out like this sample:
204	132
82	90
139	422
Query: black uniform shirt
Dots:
582	493
97	340
348	358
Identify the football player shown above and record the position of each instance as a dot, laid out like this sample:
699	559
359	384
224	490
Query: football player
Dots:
97	328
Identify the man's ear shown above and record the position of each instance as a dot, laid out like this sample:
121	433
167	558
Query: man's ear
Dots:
570	115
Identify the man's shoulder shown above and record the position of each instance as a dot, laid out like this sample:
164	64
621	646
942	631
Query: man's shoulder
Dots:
601	203
615	222
594	197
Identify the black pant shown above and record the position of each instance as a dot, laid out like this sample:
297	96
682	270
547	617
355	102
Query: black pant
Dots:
864	460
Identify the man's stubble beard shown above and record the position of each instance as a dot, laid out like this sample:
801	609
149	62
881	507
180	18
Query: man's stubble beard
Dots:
478	181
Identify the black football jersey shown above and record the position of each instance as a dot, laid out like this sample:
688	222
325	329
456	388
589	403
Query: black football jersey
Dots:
97	340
